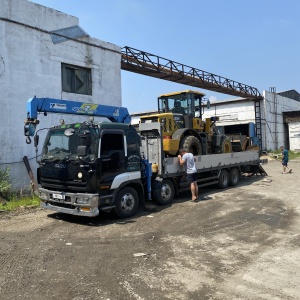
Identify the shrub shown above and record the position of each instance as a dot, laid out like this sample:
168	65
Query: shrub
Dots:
5	182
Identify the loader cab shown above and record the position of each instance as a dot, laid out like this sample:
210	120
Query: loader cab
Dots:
187	103
180	115
186	107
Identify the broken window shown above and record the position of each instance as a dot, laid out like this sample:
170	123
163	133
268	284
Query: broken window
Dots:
76	80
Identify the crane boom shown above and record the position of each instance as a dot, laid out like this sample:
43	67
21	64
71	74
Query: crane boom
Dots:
50	105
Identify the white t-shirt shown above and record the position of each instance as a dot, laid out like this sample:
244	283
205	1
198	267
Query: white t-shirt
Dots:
190	167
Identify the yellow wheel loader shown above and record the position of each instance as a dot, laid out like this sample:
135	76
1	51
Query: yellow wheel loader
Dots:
180	114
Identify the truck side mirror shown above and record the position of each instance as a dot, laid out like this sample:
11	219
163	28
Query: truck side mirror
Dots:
86	138
82	150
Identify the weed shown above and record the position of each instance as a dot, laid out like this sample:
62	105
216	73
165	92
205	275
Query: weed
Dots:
24	202
11	199
5	182
292	154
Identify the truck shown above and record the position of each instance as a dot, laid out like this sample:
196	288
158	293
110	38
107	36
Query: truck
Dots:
90	166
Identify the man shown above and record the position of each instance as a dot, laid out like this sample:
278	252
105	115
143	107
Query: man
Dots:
285	159
188	160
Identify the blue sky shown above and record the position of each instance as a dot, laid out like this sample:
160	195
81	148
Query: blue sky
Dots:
253	42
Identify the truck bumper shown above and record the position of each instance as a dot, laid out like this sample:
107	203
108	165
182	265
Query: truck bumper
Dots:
78	204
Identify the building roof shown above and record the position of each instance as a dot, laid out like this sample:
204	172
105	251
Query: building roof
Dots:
292	94
182	92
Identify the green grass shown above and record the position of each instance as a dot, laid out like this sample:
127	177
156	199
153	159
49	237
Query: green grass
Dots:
292	154
24	202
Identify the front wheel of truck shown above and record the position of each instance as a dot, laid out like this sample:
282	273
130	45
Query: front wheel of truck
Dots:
127	203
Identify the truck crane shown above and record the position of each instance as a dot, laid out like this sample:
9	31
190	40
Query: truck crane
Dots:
88	167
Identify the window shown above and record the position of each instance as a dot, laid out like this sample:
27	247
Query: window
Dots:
76	79
111	142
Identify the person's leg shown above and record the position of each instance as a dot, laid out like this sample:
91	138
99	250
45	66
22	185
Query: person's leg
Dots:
288	168
284	167
196	189
193	190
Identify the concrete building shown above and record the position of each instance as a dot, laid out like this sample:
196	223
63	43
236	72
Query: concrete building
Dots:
278	126
44	52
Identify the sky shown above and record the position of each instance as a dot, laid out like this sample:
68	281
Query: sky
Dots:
253	42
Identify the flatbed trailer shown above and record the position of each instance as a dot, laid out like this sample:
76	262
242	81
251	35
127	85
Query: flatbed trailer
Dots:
168	178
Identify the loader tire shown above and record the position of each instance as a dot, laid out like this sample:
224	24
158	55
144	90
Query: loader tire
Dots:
191	144
226	146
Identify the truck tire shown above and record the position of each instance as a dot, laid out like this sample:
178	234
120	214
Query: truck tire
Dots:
127	203
234	177
223	180
191	144
226	146
164	192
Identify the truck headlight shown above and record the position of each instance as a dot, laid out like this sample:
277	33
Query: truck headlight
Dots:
43	196
84	200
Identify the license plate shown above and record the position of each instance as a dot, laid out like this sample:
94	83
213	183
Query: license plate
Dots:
58	196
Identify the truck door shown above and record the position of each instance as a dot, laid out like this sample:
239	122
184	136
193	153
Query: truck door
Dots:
112	155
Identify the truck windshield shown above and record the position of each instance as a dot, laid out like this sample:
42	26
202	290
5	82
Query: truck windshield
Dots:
61	146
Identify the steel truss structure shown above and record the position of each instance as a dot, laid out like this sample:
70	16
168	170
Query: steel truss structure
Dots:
144	63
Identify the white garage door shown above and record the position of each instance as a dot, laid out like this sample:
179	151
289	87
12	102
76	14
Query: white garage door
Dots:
294	134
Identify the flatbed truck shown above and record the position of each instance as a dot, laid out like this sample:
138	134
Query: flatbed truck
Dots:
90	167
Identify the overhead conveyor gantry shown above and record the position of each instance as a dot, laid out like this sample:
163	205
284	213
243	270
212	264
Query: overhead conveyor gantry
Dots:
144	63
141	62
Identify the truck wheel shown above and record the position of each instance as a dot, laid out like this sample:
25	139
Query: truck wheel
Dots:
191	144
234	177
223	179
164	192
127	203
226	146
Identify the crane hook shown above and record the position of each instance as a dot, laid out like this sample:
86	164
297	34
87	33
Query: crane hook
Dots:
28	140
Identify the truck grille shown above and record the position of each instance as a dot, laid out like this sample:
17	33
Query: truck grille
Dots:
60	185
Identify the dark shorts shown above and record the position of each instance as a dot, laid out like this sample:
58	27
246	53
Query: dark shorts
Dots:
191	177
284	162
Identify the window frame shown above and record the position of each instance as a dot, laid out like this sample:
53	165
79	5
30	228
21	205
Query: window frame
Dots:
72	88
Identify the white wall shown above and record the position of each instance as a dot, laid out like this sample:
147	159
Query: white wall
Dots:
273	115
30	64
232	112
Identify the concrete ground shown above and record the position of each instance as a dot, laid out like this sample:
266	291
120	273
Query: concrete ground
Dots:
240	243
